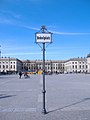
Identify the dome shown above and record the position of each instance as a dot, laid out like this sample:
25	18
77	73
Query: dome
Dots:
88	55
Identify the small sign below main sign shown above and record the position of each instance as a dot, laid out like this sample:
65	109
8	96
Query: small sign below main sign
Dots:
43	37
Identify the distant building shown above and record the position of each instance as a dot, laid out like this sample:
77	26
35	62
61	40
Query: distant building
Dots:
73	65
50	65
88	62
76	65
10	65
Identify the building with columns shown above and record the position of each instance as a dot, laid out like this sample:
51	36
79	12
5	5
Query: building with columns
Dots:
50	65
73	65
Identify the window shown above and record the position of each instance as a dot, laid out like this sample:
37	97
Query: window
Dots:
86	66
83	66
3	66
76	66
56	65
14	66
11	66
73	66
80	66
6	66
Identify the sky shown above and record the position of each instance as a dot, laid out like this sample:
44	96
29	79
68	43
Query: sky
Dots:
67	20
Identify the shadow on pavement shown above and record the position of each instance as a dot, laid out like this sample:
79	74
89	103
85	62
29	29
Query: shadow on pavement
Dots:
83	100
5	96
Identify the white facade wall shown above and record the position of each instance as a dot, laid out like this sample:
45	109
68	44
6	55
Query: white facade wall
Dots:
50	66
88	63
10	64
76	65
72	65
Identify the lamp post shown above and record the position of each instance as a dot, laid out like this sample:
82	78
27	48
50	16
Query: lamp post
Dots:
43	37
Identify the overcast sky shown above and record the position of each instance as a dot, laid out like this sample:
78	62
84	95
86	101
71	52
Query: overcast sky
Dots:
68	20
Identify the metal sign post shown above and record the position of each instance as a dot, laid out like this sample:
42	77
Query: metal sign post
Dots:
43	37
44	91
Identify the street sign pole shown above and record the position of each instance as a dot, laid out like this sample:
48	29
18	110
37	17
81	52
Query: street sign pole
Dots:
44	91
43	37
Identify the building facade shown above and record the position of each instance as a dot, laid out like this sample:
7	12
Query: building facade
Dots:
9	65
73	65
50	65
88	62
76	65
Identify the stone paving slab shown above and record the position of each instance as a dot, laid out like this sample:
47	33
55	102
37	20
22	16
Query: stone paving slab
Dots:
67	97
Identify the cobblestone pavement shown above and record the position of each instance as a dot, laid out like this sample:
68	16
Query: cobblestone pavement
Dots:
67	97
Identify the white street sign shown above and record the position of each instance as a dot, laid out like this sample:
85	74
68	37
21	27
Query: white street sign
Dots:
43	37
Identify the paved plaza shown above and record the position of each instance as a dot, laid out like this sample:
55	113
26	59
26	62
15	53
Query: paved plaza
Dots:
67	97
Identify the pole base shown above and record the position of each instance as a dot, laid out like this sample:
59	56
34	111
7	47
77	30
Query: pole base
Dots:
44	111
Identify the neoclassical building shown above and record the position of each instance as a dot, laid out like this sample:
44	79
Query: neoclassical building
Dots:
50	65
73	65
88	62
78	65
9	65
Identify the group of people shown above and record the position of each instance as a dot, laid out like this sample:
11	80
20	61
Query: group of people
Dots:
25	74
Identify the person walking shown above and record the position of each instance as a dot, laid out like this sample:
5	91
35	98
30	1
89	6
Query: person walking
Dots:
20	74
26	75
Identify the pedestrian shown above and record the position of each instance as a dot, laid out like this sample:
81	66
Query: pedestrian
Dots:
20	74
26	75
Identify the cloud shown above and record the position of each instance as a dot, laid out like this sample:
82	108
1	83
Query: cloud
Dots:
18	47
31	53
55	32
27	53
31	28
66	33
5	21
9	17
10	14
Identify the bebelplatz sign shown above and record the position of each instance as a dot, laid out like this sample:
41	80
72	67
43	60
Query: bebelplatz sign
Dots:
43	37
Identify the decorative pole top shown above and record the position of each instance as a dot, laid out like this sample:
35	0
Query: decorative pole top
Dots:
43	36
43	28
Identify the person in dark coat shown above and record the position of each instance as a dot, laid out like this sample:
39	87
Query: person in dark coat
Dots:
26	75
20	74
